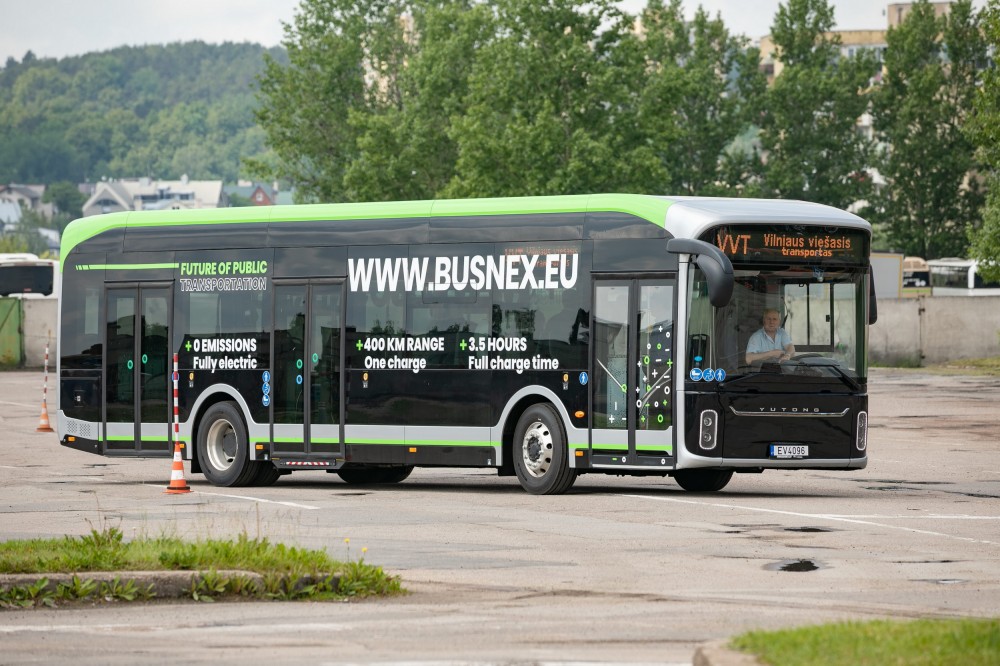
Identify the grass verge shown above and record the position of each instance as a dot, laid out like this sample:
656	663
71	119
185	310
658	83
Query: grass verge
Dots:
970	642
244	567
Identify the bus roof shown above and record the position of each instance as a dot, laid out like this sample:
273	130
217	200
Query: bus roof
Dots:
684	217
955	262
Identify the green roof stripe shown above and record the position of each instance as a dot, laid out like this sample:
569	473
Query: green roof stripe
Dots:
650	208
124	267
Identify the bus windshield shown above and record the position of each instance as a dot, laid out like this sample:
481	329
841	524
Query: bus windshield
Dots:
820	336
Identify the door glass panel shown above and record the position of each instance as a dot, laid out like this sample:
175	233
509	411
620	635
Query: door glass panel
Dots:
655	344
153	358
324	364
289	354
121	357
611	336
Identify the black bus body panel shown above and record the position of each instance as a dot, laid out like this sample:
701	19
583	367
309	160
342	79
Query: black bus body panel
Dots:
777	418
453	396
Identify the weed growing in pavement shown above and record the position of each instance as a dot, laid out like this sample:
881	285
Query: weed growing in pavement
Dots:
286	572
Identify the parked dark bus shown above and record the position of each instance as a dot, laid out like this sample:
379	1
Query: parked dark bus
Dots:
543	337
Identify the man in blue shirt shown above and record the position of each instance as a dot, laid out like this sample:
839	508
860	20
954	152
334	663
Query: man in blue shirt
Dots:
770	343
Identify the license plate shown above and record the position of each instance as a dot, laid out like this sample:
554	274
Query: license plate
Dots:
784	451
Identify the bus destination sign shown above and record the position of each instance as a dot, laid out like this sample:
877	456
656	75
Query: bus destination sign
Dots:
789	244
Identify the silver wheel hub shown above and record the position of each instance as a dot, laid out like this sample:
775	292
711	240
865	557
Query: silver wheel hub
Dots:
221	445
536	449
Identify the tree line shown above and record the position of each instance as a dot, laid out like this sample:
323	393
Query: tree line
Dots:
159	111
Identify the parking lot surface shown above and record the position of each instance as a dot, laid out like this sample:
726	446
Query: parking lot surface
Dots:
618	570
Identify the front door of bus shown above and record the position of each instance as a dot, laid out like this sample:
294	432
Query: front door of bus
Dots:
306	364
633	372
137	370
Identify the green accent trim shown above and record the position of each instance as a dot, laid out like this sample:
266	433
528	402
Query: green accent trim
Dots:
80	230
124	267
296	440
650	208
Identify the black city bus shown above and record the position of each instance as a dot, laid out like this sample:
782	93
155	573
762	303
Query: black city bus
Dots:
545	337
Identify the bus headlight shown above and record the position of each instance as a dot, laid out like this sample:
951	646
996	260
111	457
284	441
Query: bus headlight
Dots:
862	440
707	433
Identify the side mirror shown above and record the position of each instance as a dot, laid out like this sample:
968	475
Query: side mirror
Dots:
714	264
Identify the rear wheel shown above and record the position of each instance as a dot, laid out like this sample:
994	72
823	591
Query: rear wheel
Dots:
703	480
539	452
223	448
266	474
361	475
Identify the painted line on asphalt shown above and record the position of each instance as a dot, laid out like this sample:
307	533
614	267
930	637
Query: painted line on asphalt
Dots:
262	500
812	516
17	404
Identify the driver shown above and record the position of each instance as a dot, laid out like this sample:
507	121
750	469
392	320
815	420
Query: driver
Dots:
771	342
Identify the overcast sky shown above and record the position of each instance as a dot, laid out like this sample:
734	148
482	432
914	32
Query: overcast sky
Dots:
59	28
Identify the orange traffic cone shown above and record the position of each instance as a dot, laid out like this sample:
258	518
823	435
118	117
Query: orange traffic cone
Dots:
43	422
177	483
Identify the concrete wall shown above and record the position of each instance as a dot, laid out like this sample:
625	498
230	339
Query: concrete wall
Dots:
39	326
927	329
909	331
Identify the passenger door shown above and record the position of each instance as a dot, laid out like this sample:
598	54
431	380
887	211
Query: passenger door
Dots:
137	370
306	364
631	391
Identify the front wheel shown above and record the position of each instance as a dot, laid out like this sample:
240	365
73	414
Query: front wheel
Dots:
223	447
540	452
703	480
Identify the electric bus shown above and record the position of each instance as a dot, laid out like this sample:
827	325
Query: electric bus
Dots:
544	337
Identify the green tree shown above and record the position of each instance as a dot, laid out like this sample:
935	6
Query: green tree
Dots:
699	88
405	145
813	150
984	129
153	110
68	200
537	116
343	56
929	199
25	237
66	196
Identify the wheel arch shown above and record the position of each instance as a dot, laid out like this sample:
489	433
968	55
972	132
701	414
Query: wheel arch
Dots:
211	396
515	407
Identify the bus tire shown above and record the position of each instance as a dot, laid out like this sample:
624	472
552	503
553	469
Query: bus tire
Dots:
703	480
266	474
223	447
540	452
359	475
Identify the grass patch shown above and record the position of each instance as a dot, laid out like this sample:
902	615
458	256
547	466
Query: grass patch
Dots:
970	642
280	571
